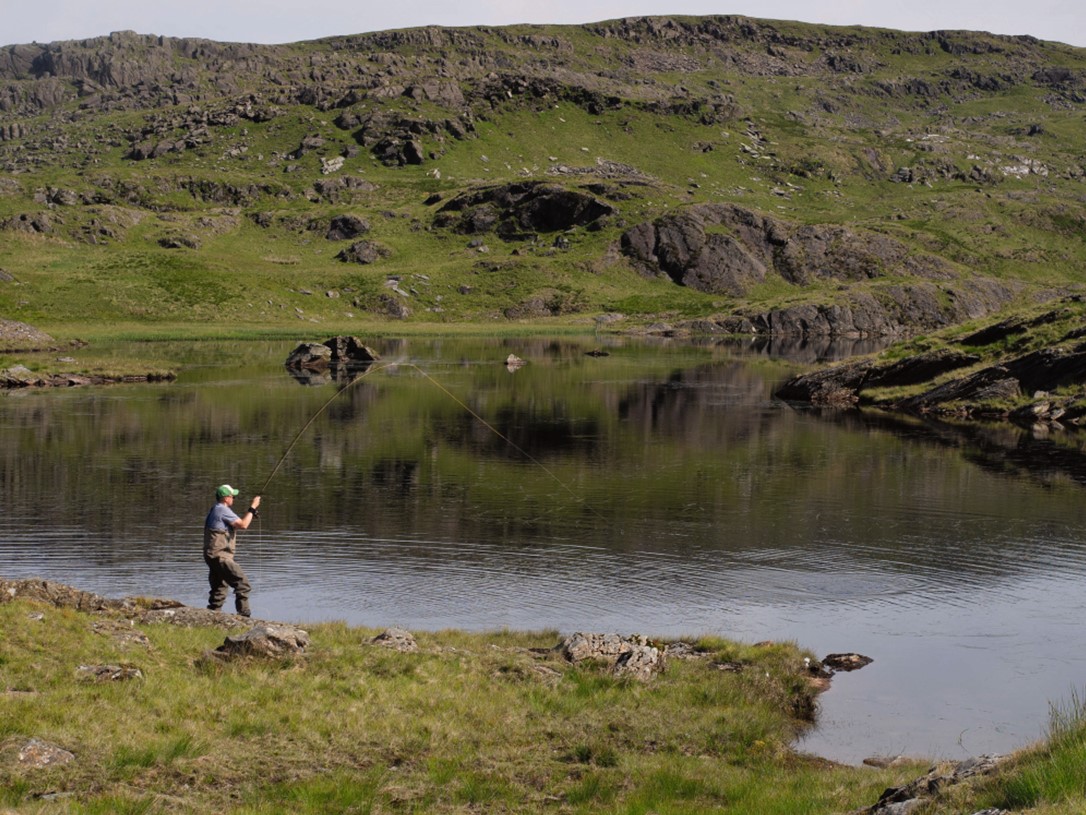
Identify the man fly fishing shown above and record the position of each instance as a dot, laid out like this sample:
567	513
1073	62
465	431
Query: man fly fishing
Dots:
224	572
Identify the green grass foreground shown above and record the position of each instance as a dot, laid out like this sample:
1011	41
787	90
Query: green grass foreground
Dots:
492	722
487	722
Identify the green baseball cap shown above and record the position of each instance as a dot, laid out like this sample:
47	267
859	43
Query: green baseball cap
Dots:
225	490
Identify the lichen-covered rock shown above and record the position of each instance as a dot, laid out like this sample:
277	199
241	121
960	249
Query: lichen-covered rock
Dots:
17	336
266	640
397	639
55	594
911	797
632	656
35	754
641	662
108	673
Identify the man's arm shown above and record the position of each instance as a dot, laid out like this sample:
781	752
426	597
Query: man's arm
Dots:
247	517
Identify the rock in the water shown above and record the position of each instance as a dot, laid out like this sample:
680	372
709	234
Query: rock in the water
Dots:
397	639
341	350
310	355
846	662
350	349
266	640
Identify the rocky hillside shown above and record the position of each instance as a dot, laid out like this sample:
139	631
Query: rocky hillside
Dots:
708	174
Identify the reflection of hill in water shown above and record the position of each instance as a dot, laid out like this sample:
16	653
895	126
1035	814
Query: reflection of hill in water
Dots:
1003	448
658	448
805	350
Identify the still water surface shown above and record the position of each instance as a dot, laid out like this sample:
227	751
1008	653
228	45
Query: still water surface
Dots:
658	490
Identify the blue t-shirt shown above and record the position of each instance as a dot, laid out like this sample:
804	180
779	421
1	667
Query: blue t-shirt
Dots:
221	518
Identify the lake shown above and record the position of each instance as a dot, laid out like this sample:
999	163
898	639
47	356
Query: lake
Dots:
656	488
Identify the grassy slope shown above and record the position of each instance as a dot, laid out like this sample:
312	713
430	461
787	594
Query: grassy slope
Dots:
467	723
470	722
825	145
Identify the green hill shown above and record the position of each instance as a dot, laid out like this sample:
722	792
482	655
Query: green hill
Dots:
718	173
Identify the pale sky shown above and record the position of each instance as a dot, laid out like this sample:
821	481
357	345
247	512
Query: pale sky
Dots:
276	21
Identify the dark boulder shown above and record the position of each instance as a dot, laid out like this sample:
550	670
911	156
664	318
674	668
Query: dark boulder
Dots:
838	386
921	368
310	356
341	350
350	349
726	249
363	252
346	227
521	210
845	662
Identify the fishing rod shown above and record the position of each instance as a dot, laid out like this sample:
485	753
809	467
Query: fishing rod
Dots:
314	417
448	393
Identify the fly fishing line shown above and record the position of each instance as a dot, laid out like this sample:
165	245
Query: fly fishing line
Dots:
528	456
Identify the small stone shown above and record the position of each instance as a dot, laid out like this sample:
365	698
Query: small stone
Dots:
398	639
108	673
38	754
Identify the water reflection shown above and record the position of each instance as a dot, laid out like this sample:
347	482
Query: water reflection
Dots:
659	489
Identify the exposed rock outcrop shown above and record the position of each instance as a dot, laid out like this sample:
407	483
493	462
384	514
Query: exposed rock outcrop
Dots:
631	656
346	227
520	210
35	753
108	673
363	252
17	336
342	350
841	385
911	797
266	640
19	376
727	249
398	639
